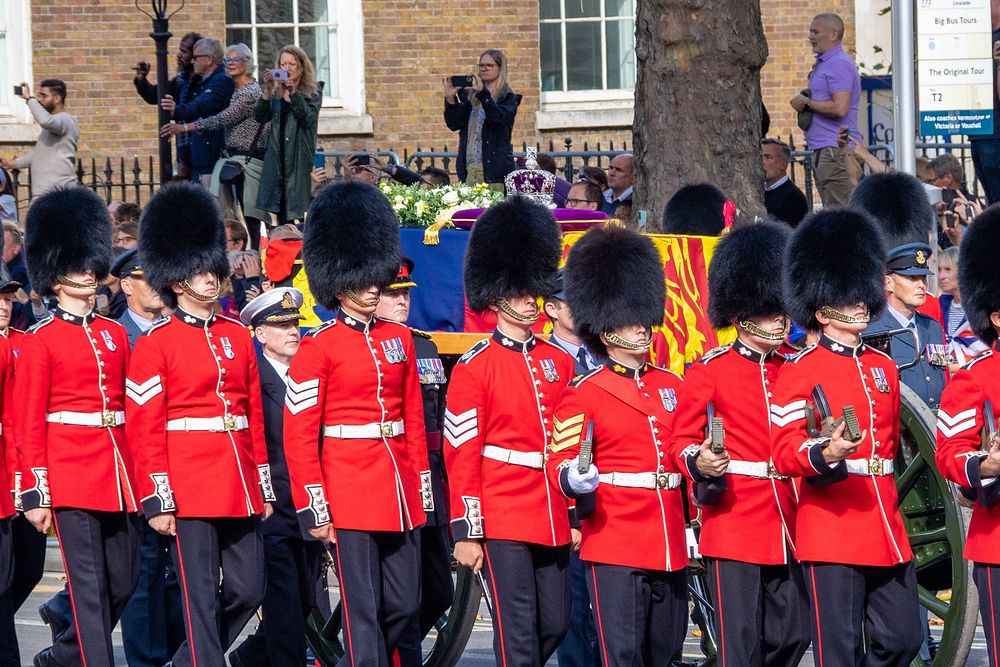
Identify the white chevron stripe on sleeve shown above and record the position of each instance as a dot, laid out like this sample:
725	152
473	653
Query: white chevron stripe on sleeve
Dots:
142	393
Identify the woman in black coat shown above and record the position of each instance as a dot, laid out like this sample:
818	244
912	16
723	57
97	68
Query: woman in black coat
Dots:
483	115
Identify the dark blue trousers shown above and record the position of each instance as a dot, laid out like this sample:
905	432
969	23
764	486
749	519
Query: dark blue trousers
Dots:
579	648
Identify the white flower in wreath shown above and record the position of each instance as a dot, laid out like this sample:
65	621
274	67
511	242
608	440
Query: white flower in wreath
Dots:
399	199
450	198
420	208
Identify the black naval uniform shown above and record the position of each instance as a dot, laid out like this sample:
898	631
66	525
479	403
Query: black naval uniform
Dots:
437	587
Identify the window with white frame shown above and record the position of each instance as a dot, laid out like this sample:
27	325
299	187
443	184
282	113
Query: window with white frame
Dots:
329	31
15	63
586	45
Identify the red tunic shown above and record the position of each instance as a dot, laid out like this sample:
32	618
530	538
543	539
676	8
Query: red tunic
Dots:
500	404
633	413
74	367
841	517
15	337
190	368
959	427
8	454
754	519
363	376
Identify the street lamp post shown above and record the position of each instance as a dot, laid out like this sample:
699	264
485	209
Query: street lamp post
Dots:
161	35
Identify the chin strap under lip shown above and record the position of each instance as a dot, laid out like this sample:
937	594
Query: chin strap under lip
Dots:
69	282
198	296
508	310
361	303
835	314
618	341
755	330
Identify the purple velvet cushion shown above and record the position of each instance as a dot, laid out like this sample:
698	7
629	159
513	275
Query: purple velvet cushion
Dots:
569	219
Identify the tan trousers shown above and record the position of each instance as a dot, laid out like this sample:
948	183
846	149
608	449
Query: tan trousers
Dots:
831	177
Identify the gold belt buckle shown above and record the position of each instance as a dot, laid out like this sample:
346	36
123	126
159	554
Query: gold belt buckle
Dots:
875	466
662	481
386	428
772	472
229	422
108	419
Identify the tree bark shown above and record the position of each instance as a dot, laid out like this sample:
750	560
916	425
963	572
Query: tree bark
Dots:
698	101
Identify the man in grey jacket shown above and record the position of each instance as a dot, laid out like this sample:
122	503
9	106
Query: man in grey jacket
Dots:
53	162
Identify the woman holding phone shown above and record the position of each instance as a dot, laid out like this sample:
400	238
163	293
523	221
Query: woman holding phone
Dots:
483	114
291	101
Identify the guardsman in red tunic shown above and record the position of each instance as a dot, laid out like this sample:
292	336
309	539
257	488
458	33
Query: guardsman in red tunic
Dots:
970	400
748	510
195	421
633	545
354	423
9	654
76	472
849	534
505	518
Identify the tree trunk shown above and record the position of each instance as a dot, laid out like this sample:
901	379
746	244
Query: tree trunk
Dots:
697	101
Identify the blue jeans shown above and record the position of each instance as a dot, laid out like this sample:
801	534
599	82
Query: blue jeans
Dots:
986	160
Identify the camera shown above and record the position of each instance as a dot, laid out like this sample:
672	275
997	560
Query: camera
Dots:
462	81
319	160
362	159
18	90
279	74
141	67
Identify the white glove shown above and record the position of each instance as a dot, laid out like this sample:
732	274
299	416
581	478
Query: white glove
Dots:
582	484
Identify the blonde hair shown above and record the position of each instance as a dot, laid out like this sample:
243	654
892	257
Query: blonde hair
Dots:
307	82
949	257
502	86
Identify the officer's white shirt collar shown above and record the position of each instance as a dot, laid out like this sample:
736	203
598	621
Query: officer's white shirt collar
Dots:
903	320
777	184
279	368
141	322
571	349
609	195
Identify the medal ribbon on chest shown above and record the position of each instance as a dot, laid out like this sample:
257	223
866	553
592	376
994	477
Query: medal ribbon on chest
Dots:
880	382
393	350
549	369
108	343
669	398
227	347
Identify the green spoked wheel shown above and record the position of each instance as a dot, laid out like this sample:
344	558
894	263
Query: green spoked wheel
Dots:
447	639
936	525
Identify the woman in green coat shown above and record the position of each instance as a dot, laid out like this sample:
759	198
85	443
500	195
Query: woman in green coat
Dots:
292	107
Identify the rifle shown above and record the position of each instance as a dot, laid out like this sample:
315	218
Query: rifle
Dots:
987	497
989	425
820	421
715	430
586	449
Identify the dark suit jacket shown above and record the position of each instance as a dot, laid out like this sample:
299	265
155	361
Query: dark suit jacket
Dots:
284	521
926	380
131	328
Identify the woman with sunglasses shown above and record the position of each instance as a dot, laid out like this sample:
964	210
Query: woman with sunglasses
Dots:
246	139
483	115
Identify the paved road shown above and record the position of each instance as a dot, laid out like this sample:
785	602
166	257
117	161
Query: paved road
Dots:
33	635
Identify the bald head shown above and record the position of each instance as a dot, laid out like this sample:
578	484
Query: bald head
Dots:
620	173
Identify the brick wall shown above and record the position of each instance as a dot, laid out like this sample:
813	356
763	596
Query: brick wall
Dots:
409	44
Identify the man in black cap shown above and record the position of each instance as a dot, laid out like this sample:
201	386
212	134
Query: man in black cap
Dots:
850	536
293	559
354	423
143	305
195	421
436	586
905	292
897	203
75	467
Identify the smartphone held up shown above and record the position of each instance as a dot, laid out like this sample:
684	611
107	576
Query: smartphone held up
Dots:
462	81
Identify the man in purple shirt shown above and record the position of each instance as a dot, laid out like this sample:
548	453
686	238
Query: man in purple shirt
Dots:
836	91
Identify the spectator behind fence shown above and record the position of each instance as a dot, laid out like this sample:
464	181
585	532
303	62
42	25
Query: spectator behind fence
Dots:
8	205
594	175
782	198
483	115
547	163
986	147
292	107
126	212
53	161
585	195
13	258
207	95
125	236
962	342
958	207
245	138
431	177
619	183
175	88
830	101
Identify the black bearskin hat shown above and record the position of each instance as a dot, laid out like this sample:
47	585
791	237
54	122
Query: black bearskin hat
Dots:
834	258
978	278
899	206
743	276
514	250
613	278
67	230
695	210
181	233
351	241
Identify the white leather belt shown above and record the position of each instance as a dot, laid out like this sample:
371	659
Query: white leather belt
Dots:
642	480
873	467
526	459
94	419
365	431
227	423
756	469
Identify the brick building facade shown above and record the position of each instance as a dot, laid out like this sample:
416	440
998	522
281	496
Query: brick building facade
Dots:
391	59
